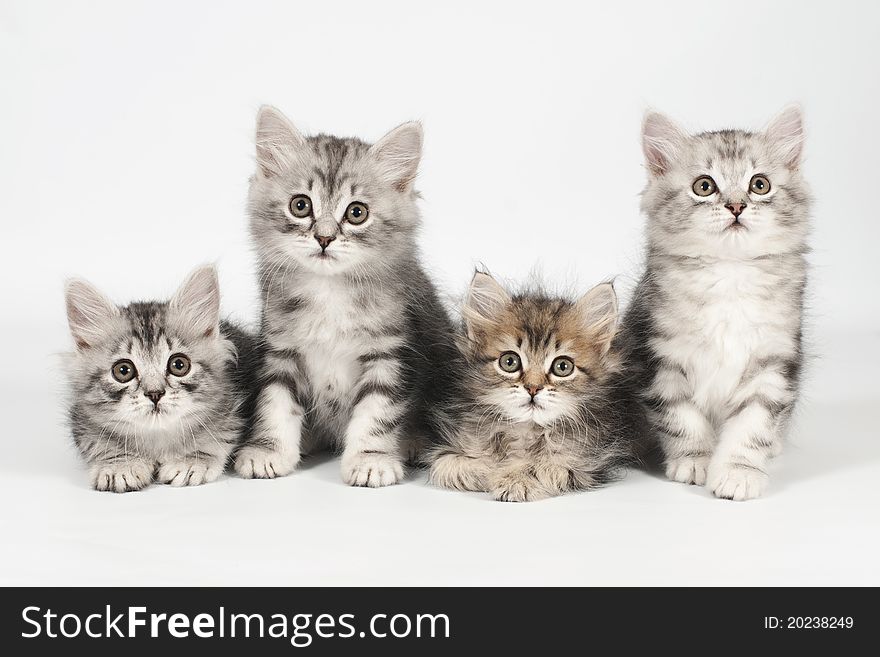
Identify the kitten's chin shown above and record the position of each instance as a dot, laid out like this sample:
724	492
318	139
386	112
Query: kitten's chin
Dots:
324	263
531	413
158	419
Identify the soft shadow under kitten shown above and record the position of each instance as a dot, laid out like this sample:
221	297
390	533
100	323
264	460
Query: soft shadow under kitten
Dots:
538	413
154	385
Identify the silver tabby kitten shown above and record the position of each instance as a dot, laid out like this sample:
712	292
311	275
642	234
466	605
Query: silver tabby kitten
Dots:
715	325
537	412
354	337
153	386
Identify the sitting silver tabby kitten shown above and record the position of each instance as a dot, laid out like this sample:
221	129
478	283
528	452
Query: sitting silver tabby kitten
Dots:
354	337
154	385
715	324
538	412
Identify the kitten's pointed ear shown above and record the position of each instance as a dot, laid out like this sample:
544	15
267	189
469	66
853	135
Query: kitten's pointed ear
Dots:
485	302
195	307
661	139
598	313
277	139
785	132
398	154
88	312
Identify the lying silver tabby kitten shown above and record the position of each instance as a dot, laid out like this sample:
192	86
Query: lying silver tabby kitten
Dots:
156	387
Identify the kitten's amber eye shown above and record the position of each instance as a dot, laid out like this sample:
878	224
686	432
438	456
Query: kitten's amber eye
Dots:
179	365
123	370
509	362
356	213
300	206
759	185
704	186
562	366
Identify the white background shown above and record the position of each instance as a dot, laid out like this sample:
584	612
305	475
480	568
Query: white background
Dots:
125	149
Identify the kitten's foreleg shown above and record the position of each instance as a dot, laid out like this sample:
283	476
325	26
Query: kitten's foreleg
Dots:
273	447
750	437
456	467
115	462
201	464
683	431
515	481
121	473
373	454
687	439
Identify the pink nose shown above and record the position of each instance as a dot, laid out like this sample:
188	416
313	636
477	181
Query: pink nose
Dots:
736	209
534	390
324	241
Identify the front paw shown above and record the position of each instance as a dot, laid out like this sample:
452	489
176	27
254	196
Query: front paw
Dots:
188	472
559	479
122	477
371	469
688	469
459	472
735	482
263	463
518	487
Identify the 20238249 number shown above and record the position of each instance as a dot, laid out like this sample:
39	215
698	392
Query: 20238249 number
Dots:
809	622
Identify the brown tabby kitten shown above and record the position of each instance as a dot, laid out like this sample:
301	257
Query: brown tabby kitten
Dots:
538	413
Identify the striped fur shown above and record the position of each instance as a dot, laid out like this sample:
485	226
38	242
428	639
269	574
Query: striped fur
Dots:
354	337
186	437
574	433
715	325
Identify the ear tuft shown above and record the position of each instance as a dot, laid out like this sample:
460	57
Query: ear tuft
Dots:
398	154
485	302
598	314
661	139
88	312
785	132
196	304
277	141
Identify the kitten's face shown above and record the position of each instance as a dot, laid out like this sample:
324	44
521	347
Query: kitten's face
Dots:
147	368
330	205
537	359
727	193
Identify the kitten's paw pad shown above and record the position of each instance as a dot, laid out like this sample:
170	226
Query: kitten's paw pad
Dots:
459	472
372	470
262	463
519	489
122	477
188	473
734	482
688	469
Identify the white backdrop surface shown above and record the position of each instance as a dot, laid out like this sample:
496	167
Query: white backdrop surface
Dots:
125	149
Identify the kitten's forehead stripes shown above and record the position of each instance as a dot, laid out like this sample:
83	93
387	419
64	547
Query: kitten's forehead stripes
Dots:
335	153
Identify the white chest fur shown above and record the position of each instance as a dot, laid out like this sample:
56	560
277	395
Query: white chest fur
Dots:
720	317
331	329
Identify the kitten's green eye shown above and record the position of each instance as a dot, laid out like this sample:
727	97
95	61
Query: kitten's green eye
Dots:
562	366
509	362
179	365
759	185
300	206
704	186
356	213
123	370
